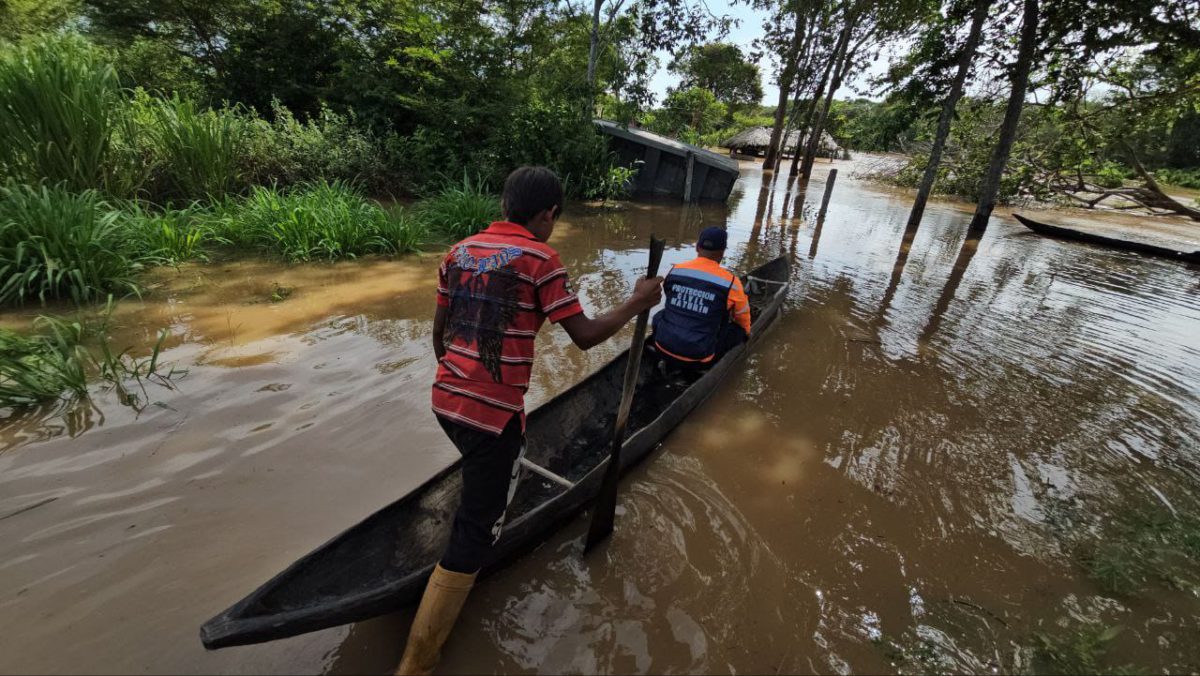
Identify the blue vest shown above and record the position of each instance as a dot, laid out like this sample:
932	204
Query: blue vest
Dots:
697	309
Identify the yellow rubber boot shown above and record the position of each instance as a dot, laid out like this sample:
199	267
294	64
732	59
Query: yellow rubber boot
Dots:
443	599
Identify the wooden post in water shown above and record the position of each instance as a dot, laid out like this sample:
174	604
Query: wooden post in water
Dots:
828	191
691	170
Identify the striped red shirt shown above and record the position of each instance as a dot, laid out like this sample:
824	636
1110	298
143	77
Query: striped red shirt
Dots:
499	287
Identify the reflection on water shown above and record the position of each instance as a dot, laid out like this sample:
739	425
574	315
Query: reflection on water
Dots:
881	481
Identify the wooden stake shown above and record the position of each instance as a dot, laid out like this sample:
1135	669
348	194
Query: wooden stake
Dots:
828	191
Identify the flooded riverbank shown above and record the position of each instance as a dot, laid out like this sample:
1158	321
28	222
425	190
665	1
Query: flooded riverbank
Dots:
900	479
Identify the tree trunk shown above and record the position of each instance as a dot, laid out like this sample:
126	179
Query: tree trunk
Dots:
807	125
810	106
1012	116
840	62
965	58
785	89
594	46
777	130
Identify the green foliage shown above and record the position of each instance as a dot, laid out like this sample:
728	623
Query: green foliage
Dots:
722	69
21	18
56	361
970	149
887	126
1182	178
286	151
550	133
400	231
38	368
168	237
694	110
741	121
1183	143
62	108
617	183
197	151
390	96
322	220
1077	650
55	243
460	210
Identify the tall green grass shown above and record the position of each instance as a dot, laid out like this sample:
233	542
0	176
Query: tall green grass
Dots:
460	209
60	107
55	243
36	368
169	236
321	220
54	361
198	151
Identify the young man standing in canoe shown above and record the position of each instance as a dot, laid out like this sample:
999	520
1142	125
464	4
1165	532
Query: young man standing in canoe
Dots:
495	290
707	312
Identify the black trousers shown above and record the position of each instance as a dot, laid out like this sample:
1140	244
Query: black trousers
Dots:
490	467
730	337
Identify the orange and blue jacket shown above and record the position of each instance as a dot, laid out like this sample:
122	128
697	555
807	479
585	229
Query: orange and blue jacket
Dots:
701	298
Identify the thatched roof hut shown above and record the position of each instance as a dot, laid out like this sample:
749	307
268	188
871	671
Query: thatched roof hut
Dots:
756	139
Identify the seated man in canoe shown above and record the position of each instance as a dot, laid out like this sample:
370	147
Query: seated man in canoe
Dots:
495	290
706	313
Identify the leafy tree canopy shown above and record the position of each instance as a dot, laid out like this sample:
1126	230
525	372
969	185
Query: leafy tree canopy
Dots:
722	69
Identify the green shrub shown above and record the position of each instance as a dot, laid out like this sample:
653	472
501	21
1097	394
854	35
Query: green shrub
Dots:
1183	178
197	151
460	210
322	220
553	134
58	244
286	151
616	183
62	106
401	232
1110	174
171	236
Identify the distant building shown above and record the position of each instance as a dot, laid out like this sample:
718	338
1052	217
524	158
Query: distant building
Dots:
754	141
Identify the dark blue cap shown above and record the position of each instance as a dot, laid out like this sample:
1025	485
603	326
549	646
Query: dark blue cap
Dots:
713	239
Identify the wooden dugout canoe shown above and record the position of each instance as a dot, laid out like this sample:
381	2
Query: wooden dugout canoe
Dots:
381	564
1063	232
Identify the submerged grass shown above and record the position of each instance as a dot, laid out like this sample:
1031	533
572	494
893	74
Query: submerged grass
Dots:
37	368
1078	649
54	362
1144	546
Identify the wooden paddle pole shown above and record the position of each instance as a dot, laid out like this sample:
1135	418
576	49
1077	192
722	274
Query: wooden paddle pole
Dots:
606	502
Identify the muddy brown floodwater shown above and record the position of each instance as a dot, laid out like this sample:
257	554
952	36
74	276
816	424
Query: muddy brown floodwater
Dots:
883	488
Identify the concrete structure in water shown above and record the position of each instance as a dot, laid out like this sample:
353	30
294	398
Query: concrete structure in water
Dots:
671	168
